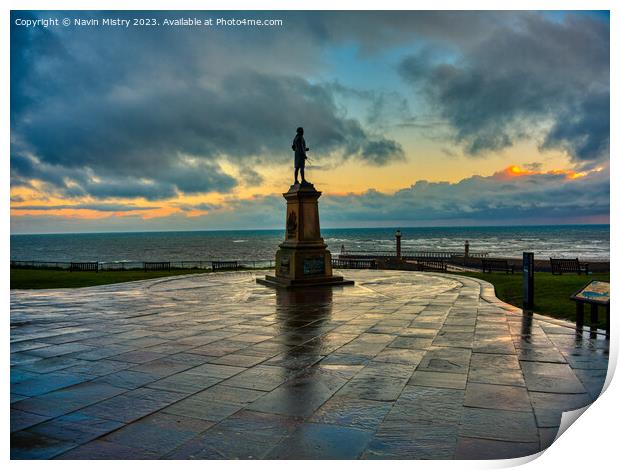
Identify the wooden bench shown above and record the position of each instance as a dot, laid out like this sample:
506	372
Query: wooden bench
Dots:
156	265
561	265
432	264
352	263
84	266
489	265
222	265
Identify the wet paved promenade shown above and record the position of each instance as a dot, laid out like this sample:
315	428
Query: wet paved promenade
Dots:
401	365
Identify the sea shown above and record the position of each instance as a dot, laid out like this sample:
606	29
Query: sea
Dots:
587	242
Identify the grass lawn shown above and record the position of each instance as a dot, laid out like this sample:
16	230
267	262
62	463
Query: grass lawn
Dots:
551	293
60	278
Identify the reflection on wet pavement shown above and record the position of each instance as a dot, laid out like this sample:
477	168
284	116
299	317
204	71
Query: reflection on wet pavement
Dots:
402	365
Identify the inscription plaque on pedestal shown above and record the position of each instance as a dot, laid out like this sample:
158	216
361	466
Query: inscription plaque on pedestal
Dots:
314	265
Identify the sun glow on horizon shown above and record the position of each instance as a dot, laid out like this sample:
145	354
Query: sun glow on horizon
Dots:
516	171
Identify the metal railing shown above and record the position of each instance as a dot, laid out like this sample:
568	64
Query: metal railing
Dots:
410	255
127	265
352	263
339	261
41	264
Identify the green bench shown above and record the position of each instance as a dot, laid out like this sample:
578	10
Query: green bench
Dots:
490	264
84	266
563	265
156	266
224	265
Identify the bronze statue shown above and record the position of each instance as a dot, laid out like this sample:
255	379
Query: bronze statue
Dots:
299	146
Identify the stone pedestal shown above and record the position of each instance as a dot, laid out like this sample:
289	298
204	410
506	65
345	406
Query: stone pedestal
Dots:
303	258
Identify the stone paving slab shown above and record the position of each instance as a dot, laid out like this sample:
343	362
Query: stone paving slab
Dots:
402	365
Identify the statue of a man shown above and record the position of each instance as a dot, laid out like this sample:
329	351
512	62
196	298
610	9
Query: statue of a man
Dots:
299	146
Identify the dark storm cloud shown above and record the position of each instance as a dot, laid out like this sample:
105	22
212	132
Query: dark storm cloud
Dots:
101	207
113	113
381	152
79	182
376	30
203	206
30	47
583	131
250	176
241	118
122	188
534	73
384	108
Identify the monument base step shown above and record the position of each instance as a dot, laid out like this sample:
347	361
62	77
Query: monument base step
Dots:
282	282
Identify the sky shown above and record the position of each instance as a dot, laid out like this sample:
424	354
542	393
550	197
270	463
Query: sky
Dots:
412	119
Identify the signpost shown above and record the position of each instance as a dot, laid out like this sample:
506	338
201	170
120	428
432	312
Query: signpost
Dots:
528	280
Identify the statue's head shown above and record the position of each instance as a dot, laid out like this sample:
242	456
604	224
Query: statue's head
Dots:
300	130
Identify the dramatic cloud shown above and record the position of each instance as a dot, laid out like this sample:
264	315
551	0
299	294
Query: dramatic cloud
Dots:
507	196
376	30
385	109
101	207
139	113
537	73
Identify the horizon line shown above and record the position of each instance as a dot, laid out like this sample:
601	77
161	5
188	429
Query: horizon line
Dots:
323	228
